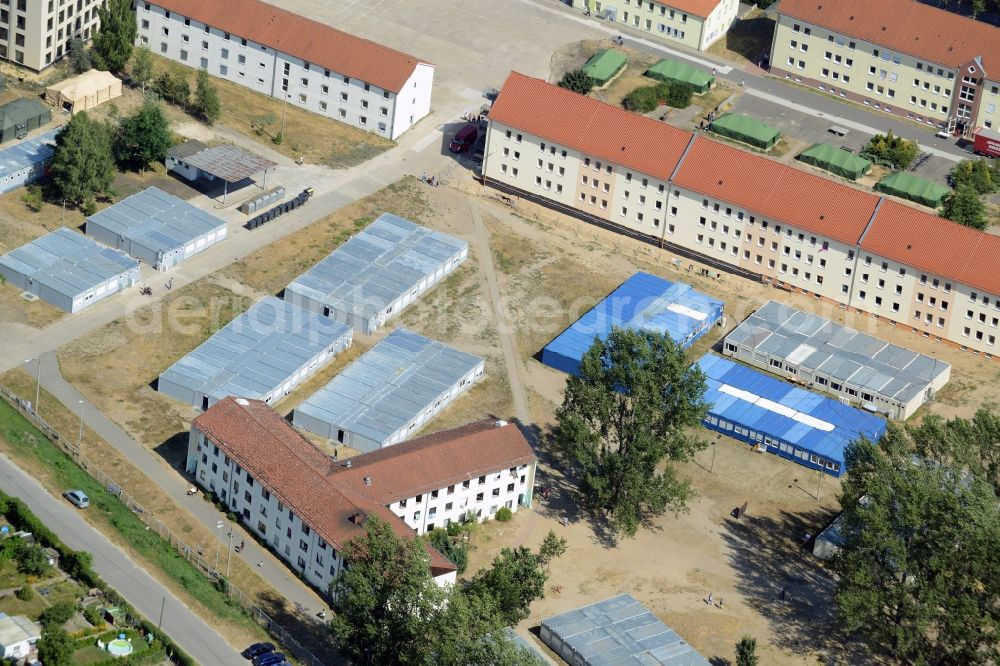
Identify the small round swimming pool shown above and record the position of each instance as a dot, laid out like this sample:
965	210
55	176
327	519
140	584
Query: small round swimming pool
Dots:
120	647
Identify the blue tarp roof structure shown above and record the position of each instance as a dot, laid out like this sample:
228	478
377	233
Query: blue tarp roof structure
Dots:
644	302
798	418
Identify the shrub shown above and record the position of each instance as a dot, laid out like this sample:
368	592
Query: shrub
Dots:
93	615
577	81
25	593
174	88
647	98
891	149
977	174
89	206
456	552
32	198
504	514
57	614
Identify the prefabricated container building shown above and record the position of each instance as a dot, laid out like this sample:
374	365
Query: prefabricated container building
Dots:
262	354
384	396
619	630
867	372
68	270
157	228
779	418
27	161
643	302
377	273
21	116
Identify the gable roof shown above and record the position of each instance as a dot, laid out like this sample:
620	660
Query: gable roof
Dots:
702	8
593	127
303	38
935	245
777	191
906	26
288	466
435	461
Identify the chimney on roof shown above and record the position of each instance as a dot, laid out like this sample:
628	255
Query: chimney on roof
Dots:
242	401
500	423
357	518
368	480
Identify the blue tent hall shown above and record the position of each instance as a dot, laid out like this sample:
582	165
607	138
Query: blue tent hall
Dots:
645	302
805	427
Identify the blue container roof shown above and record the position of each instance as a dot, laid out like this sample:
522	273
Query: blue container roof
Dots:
644	302
804	419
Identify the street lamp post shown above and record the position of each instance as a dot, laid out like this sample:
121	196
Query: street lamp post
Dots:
38	383
79	438
229	557
218	547
711	467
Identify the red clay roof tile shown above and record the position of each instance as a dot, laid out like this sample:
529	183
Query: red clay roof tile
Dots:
906	26
700	8
296	35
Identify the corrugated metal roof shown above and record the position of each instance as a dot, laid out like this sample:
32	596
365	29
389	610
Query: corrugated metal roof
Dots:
27	153
389	385
793	415
228	162
820	345
67	262
257	351
387	259
645	302
156	220
622	631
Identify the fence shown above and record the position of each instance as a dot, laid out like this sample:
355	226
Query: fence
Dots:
192	555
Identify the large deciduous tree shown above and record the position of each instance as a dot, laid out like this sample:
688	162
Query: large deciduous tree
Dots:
55	648
964	206
143	137
206	99
515	579
82	164
917	573
142	67
116	35
627	413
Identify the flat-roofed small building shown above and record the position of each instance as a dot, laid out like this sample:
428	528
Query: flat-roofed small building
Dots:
855	366
262	354
25	162
377	273
384	396
157	228
68	270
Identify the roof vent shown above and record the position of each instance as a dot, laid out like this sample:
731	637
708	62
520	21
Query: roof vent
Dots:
720	182
822	217
623	148
909	247
368	480
851	17
500	423
347	463
242	401
883	28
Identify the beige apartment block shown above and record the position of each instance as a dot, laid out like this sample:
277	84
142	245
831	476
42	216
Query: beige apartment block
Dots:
884	55
37	33
693	23
744	213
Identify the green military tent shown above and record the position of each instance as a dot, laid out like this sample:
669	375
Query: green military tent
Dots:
604	65
746	129
19	117
672	71
835	160
914	188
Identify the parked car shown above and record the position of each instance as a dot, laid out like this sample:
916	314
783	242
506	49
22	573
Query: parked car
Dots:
464	139
78	498
256	650
269	659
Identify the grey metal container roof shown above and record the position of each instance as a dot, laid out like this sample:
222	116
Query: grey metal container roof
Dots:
389	385
387	259
228	162
156	220
67	262
27	153
257	351
621	631
812	342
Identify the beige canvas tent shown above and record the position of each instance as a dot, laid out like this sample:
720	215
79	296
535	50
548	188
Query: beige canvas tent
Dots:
85	91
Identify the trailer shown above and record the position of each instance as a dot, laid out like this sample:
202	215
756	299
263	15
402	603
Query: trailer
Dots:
987	143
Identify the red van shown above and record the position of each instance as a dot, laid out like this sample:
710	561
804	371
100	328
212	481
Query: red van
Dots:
464	139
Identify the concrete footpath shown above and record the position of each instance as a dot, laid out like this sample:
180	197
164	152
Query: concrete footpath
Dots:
140	589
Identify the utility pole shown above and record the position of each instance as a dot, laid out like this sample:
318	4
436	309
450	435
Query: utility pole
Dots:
218	547
163	602
819	480
229	558
79	438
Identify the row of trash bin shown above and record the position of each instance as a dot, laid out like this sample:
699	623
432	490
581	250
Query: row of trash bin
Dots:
280	209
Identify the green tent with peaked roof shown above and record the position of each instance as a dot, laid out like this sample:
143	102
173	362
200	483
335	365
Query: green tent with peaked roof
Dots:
914	188
670	71
746	129
604	65
21	116
835	160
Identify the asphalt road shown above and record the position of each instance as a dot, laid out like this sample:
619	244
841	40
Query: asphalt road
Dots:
146	594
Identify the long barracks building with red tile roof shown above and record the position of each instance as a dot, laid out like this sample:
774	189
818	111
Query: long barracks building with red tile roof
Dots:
309	64
307	506
745	213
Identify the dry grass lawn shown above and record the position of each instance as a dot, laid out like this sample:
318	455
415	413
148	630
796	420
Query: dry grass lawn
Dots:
321	140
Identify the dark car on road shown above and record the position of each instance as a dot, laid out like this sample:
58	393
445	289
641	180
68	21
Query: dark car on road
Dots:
269	659
256	650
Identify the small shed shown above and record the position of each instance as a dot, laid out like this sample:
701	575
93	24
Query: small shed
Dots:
18	636
21	116
603	65
676	71
835	160
231	164
745	129
907	186
84	91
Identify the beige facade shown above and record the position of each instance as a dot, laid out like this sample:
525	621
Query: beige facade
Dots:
37	33
669	22
723	234
941	97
